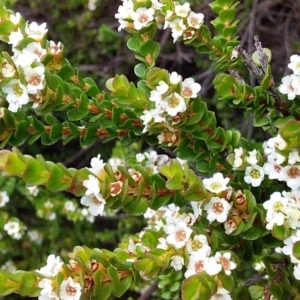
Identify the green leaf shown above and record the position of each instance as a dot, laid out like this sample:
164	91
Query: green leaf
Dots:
254	233
28	285
58	180
296	249
123	286
140	70
256	291
35	173
281	232
6	27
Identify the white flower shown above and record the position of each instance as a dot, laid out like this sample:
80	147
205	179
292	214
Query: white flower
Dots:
54	265
3	198
35	79
92	185
173	104
196	265
33	190
294	157
217	209
54	48
97	165
152	116
177	28
197	210
51	296
195	20
294	65
290	86
96	204
272	170
178	234
221	294
36	31
291	175
182	10
177	262
238	161
35	236
15	37
13	229
252	159
190	88
213	267
69	206
175	78
15	19
16	94
70	290
224	260
198	246
92	5
254	175
275	210
162	87
36	49
46	285
8	70
142	17
216	184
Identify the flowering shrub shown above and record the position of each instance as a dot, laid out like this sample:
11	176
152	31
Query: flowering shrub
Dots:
223	217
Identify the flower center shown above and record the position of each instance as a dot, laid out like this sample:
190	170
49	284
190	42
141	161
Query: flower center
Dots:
180	235
17	89
293	172
199	265
277	206
218	208
255	173
70	290
173	101
35	80
225	263
196	245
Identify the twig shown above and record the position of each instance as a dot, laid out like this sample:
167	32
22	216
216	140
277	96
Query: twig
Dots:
149	292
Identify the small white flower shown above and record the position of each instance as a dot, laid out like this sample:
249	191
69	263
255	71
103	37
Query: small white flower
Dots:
35	79
36	31
182	10
96	204
224	260
16	94
294	65
175	78
290	86
173	104
8	70
216	184
15	37
272	170
196	265
54	48
217	209
150	117
177	28
275	210
97	165
15	19
198	246
3	198
195	20
162	87
70	290
54	265
13	229
177	262
254	175
142	17
140	157
212	266
291	175
294	157
35	236
221	294
36	49
46	285
252	159
33	190
69	206
190	88
92	185
178	234
197	210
